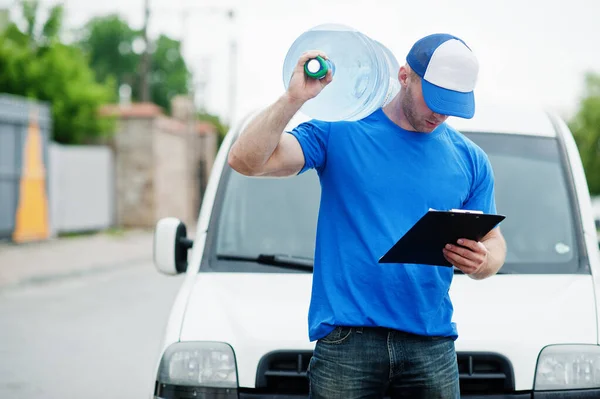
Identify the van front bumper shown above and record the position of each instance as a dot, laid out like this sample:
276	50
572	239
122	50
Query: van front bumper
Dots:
579	394
232	394
571	394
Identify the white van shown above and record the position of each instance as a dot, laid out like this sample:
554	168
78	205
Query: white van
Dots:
238	327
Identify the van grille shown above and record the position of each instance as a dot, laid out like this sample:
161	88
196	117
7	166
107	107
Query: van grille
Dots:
484	373
284	372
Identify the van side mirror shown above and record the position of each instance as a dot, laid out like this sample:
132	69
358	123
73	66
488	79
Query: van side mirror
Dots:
171	246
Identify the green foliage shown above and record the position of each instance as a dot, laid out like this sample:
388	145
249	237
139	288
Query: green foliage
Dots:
109	41
51	28
39	66
169	73
29	9
586	130
76	80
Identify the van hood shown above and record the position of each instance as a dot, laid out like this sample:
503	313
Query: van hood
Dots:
512	315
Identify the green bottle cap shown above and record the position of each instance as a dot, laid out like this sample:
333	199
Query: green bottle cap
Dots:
316	68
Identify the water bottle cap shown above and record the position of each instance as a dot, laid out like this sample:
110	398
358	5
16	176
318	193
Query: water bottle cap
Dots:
316	68
313	66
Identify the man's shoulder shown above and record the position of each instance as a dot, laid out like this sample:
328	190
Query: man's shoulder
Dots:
312	123
476	159
460	139
456	135
342	124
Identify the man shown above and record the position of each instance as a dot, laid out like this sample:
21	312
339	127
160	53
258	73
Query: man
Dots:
381	327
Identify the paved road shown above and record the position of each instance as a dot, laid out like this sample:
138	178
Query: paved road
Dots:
90	336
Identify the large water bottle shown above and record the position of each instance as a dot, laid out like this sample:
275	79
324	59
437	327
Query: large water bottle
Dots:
365	72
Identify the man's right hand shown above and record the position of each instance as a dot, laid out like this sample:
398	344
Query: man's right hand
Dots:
261	149
302	88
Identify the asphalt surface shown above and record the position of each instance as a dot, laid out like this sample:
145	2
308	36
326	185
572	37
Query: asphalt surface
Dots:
89	335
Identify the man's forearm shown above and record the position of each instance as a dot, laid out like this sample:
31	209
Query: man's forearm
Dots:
258	141
496	246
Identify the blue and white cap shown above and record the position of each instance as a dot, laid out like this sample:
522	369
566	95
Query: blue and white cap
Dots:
448	70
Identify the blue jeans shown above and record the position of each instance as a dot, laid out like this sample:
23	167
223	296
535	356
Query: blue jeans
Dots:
366	363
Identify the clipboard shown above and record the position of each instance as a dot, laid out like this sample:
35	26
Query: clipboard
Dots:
424	242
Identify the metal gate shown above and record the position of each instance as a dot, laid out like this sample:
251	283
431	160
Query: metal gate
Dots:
24	134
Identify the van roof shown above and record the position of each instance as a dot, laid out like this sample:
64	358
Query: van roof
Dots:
492	118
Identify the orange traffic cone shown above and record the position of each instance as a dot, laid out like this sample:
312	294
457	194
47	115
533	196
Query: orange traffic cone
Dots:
31	221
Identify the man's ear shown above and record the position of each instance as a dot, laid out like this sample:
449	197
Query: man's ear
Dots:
403	75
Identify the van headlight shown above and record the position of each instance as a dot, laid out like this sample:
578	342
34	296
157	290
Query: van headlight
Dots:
199	364
568	367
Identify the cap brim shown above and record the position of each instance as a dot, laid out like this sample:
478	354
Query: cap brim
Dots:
448	102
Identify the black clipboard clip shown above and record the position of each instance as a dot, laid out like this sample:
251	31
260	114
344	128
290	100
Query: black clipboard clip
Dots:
424	242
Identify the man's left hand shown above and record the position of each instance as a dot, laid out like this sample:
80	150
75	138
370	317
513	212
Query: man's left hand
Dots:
469	256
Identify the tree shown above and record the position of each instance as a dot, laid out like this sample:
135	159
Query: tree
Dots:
50	29
586	130
169	73
110	43
35	64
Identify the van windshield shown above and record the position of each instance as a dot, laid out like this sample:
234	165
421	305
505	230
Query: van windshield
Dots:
278	216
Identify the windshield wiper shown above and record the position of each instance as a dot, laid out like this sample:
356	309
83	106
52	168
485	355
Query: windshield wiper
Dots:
288	261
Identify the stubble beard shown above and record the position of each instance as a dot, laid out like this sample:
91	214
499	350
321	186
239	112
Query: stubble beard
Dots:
408	108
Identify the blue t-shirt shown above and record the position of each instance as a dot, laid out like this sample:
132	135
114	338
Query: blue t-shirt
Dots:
377	180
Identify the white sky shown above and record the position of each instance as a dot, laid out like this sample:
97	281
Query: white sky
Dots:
529	50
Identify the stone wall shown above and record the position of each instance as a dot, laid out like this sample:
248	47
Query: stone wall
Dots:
173	171
158	164
134	172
